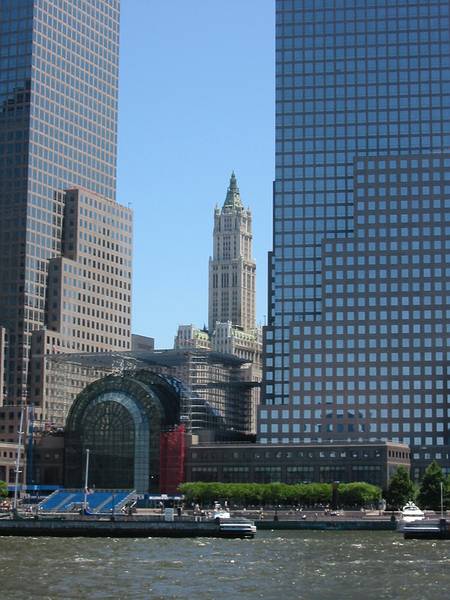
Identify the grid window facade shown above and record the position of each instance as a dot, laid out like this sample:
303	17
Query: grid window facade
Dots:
352	80
58	130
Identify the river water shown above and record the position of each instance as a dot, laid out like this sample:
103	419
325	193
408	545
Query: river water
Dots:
311	565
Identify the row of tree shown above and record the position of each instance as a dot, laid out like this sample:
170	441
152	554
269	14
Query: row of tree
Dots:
433	487
401	489
264	494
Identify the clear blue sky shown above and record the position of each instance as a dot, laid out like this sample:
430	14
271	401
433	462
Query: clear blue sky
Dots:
196	101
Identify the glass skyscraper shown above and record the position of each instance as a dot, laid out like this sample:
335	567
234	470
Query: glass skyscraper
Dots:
357	79
58	130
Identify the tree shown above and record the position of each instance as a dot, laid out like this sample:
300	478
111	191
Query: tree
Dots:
263	494
430	488
400	489
358	493
3	489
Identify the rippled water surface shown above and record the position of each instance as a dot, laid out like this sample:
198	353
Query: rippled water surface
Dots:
275	565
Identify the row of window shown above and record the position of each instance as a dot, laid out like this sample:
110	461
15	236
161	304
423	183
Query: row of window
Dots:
362	413
411	441
391	427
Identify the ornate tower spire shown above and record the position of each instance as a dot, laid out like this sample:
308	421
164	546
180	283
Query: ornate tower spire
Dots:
232	268
233	198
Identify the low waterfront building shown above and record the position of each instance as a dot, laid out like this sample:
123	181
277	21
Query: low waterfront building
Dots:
297	463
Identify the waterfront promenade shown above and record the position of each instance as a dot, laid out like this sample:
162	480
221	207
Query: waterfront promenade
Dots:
317	519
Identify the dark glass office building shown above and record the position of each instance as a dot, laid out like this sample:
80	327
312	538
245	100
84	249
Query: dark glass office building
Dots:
356	344
58	130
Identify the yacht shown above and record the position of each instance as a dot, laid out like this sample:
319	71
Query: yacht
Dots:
411	512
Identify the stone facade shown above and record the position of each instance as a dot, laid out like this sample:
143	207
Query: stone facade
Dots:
89	300
232	294
8	454
189	336
232	270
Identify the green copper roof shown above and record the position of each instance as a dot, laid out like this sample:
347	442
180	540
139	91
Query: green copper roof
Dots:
233	199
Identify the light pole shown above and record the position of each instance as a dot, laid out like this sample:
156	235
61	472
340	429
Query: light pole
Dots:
86	479
17	468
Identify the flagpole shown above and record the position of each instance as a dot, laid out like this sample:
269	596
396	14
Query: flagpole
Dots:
17	469
86	479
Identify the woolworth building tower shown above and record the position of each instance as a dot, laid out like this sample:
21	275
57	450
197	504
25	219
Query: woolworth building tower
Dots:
232	269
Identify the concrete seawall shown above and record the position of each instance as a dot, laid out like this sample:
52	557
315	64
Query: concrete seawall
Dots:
142	527
329	525
109	528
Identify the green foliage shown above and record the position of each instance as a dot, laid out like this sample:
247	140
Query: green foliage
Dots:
430	488
261	494
3	488
358	494
400	489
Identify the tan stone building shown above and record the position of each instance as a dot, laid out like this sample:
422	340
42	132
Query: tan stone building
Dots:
232	270
89	301
8	456
189	336
232	325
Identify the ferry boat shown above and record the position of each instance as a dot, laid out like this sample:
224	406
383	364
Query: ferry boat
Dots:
428	529
237	528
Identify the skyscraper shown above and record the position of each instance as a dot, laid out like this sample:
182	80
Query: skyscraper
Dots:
232	268
232	325
359	80
58	131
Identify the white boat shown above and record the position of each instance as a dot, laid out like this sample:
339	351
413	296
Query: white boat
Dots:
219	512
411	512
238	527
231	526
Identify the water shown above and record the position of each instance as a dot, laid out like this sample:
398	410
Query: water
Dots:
275	566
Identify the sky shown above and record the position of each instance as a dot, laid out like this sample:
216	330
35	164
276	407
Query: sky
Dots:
196	100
